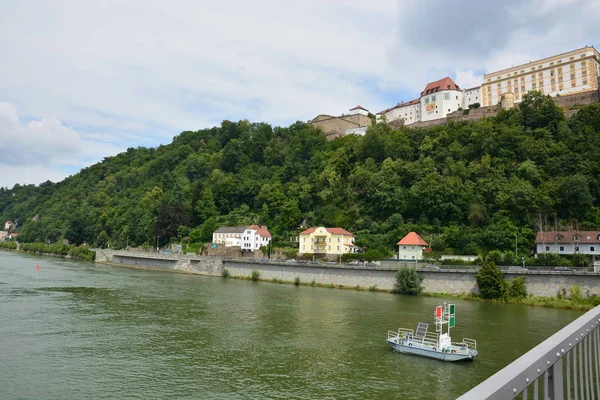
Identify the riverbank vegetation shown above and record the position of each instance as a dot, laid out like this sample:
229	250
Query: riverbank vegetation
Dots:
467	188
82	253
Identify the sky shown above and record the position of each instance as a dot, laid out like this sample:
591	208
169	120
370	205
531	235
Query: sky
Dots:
84	80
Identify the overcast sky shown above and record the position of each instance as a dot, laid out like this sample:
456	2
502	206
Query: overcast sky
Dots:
81	80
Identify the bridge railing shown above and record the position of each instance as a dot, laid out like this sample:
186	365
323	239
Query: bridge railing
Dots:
564	366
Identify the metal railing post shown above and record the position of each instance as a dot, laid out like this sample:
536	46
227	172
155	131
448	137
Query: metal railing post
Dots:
555	381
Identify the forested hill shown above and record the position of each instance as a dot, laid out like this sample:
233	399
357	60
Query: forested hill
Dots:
466	187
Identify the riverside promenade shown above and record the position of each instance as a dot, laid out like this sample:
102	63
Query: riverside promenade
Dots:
451	280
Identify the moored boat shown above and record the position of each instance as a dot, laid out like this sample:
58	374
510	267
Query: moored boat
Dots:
436	345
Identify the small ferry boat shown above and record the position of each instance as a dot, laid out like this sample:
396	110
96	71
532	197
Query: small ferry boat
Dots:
436	345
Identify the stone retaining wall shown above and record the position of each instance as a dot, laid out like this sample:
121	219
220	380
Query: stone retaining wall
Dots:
451	282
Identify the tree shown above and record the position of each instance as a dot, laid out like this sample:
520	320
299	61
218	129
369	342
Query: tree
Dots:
408	281
490	281
539	110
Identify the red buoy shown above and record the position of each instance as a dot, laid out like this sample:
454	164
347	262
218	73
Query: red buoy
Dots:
37	267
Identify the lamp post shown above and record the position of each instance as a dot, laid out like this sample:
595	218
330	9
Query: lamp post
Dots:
158	237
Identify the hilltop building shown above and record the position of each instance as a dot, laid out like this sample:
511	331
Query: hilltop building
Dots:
411	247
326	241
569	73
438	99
568	242
247	238
356	122
572	72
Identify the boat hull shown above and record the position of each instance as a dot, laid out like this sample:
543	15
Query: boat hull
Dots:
429	352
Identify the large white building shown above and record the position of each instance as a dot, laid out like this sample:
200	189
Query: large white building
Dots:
439	99
247	238
572	72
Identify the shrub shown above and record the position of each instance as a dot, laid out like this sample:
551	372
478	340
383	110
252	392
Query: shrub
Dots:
8	245
225	273
575	294
290	253
297	281
255	275
489	279
408	281
517	289
373	288
313	283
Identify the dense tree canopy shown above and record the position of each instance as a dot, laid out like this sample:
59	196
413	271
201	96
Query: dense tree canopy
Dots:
466	187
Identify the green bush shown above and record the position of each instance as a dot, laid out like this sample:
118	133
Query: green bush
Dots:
255	275
517	289
408	281
297	281
225	273
8	245
575	294
490	281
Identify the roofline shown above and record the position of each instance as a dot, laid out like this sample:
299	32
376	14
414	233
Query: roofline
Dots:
541	59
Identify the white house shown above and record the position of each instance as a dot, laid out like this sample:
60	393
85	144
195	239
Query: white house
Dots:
440	98
411	247
249	238
569	242
8	225
471	96
229	236
254	237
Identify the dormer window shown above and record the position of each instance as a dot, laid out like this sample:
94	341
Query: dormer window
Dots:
559	237
577	238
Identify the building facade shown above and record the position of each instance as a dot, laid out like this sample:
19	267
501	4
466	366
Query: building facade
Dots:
568	242
254	237
326	241
411	247
355	122
437	100
572	72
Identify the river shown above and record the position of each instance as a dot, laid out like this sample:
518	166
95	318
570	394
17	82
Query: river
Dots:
73	330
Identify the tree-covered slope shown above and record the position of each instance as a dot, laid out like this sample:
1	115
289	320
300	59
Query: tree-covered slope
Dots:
466	187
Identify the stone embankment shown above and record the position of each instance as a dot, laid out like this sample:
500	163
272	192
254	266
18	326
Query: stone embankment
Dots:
456	281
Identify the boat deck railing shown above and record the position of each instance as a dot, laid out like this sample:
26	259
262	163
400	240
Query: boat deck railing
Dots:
429	339
564	366
470	344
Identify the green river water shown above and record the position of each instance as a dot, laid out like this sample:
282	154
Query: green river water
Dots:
74	330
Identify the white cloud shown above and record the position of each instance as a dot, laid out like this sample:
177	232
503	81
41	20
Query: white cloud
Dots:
43	150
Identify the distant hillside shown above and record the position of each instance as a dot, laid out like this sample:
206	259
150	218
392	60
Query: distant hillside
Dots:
466	187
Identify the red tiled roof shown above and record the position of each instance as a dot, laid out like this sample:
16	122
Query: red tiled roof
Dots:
359	107
568	237
261	230
333	231
412	239
338	231
443	84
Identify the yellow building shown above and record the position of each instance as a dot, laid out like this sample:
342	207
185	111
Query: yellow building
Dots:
326	241
563	74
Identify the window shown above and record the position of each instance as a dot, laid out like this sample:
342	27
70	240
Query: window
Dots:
403	247
433	98
329	247
448	110
585	81
547	248
338	248
446	96
561	248
533	86
576	248
456	97
426	100
592	248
